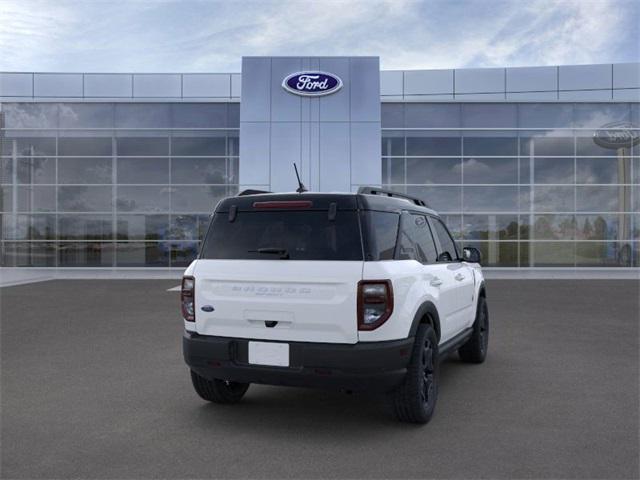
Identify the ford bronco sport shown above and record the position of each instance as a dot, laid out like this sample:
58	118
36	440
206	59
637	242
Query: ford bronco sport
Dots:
359	292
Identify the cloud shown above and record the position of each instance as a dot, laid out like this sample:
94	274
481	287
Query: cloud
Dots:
199	35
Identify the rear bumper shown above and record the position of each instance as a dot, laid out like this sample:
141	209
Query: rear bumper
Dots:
374	366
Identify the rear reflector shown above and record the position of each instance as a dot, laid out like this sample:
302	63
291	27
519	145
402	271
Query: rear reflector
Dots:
284	204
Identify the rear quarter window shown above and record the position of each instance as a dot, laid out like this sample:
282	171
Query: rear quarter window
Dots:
381	234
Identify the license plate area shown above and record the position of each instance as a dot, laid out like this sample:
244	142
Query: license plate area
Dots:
269	353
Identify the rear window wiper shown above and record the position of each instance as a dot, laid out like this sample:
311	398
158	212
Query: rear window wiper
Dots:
284	254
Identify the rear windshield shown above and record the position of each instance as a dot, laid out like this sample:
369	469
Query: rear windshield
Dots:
284	235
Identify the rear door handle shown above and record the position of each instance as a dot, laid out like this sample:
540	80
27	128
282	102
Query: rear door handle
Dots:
459	277
435	282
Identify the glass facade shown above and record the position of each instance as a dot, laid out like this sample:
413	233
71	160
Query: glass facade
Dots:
133	184
112	184
524	183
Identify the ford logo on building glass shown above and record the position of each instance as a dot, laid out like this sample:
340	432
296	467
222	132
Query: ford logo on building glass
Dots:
312	84
617	135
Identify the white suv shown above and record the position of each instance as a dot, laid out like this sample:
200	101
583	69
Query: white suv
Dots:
357	292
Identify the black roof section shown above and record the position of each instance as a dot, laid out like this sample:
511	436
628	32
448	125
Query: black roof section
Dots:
367	198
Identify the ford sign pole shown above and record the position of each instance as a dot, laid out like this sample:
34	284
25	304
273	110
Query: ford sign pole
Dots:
312	83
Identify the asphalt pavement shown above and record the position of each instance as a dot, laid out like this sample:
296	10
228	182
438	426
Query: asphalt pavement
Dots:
93	385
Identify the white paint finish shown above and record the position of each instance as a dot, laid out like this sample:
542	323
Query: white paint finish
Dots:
586	95
428	98
100	85
428	82
334	157
254	163
366	167
255	105
627	95
626	75
335	107
585	77
365	89
57	85
206	85
479	80
16	85
285	106
157	85
236	85
532	79
391	83
285	150
532	96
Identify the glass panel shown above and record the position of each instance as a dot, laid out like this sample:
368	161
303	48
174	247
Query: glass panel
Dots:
598	114
432	115
432	146
29	227
85	227
554	227
143	227
434	170
635	231
142	254
143	146
6	199
143	170
586	146
85	254
603	199
6	170
454	224
233	115
393	170
546	146
84	146
489	115
143	199
183	253
447	244
392	143
490	227
32	146
552	254
604	254
30	115
199	170
84	170
490	199
490	170
142	115
525	170
490	146
392	115
197	199
84	199
603	170
37	254
36	199
545	115
83	115
382	232
553	170
199	115
198	146
604	227
553	199
36	170
497	254
189	227
441	199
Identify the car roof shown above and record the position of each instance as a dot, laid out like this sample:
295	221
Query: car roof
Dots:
321	201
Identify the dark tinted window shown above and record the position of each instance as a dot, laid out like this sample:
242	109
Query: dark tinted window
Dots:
303	235
447	244
416	242
382	234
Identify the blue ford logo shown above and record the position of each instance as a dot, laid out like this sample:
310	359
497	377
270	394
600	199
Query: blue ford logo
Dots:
312	84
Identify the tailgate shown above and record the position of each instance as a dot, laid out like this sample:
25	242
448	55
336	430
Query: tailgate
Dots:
288	300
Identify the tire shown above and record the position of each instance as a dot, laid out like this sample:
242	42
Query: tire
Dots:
475	349
218	391
414	401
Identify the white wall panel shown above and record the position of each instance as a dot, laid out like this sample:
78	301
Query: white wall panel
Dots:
100	85
16	84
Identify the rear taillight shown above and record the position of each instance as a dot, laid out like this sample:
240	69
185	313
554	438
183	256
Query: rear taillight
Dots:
375	303
187	299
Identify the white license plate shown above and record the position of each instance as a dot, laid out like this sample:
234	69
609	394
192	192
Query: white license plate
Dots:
269	353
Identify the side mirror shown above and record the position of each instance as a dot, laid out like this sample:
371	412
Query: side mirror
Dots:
471	255
444	257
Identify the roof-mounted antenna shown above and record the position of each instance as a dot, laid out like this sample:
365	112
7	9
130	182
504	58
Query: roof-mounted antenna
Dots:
301	188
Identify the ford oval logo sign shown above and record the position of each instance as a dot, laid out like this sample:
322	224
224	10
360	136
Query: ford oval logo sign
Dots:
312	84
617	135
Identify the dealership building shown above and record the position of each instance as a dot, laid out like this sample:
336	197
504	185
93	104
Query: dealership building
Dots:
537	167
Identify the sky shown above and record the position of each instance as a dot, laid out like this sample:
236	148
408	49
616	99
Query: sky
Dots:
212	36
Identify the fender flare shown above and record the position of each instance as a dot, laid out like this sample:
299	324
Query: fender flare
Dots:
482	291
427	308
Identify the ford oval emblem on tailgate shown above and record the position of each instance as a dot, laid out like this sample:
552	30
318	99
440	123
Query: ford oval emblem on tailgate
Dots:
207	308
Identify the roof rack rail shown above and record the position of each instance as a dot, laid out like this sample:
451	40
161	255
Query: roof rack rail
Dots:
251	191
391	193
